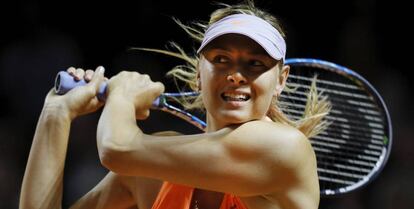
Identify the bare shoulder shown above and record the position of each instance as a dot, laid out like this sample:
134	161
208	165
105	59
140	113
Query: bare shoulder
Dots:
290	155
275	138
285	149
273	127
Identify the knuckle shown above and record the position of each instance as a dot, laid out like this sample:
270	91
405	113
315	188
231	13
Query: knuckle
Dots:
80	72
89	73
160	86
71	69
146	76
136	74
124	73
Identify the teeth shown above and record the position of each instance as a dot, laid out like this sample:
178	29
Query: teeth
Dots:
235	97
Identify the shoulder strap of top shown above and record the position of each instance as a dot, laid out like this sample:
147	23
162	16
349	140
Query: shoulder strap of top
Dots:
232	202
173	196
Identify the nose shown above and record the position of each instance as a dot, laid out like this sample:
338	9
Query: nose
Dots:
236	78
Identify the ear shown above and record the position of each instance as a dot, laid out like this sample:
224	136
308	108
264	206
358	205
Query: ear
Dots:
281	82
198	81
198	84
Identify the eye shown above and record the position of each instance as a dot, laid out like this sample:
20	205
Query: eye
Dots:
256	63
221	59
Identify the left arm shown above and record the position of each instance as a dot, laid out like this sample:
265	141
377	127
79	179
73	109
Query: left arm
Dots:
252	159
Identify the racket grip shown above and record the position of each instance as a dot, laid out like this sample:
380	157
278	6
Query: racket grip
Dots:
64	82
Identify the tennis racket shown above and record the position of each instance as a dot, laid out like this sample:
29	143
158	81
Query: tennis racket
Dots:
350	153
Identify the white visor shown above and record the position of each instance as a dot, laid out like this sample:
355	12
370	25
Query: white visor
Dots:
251	26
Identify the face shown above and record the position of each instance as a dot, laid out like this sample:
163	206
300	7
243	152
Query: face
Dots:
238	80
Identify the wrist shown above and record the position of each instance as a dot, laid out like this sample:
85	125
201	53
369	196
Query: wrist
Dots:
57	111
119	99
119	105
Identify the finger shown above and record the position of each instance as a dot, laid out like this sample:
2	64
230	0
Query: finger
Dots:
79	74
88	75
157	89
71	71
142	115
94	104
160	87
146	77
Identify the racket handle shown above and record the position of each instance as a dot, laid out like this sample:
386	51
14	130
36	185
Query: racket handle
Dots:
64	82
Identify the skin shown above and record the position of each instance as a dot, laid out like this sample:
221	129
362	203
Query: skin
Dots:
272	165
230	68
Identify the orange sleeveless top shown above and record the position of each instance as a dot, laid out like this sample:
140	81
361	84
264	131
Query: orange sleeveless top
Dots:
174	196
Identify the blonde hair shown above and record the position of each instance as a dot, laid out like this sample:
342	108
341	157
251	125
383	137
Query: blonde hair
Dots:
317	106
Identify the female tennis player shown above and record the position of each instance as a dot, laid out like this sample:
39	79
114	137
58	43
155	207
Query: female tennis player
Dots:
251	156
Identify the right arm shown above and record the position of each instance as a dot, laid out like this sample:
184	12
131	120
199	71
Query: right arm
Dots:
42	182
43	179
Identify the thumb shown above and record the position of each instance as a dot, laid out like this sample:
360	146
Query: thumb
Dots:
97	79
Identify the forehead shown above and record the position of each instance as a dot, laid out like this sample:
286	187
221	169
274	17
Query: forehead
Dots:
236	42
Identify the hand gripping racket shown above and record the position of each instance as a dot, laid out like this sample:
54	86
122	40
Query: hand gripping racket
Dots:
350	153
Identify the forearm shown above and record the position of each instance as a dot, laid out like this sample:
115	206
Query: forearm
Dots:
117	131
42	182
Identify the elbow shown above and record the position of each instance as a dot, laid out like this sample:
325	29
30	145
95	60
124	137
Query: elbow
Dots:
107	156
116	152
113	157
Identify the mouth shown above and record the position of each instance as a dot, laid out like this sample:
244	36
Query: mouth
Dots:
235	97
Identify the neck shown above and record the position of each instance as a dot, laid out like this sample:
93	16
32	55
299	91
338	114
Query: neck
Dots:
214	125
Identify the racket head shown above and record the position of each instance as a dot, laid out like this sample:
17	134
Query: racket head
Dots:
355	147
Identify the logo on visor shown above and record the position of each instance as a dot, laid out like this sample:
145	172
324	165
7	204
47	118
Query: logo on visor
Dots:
238	22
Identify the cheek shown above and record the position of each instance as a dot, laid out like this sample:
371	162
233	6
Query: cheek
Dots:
264	89
210	77
266	84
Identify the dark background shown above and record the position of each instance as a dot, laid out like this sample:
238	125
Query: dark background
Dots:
39	38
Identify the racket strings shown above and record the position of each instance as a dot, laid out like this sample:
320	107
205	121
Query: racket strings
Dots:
336	114
340	120
347	132
299	96
356	99
349	149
